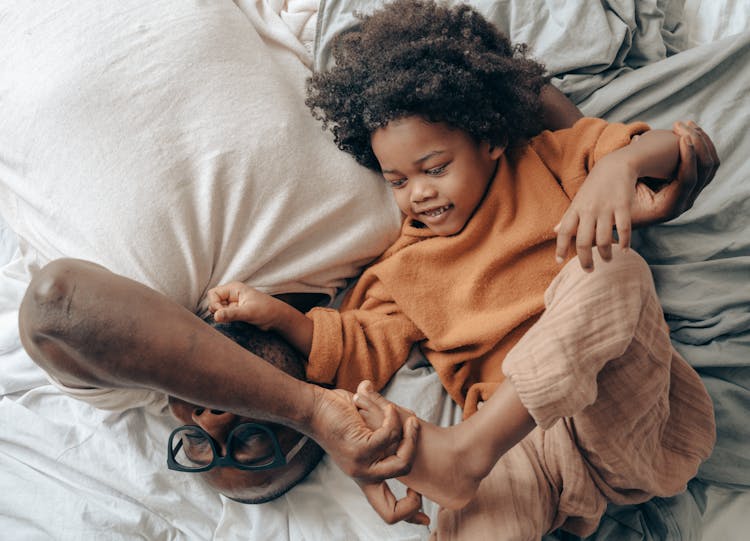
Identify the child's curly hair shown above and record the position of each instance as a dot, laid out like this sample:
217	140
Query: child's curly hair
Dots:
414	57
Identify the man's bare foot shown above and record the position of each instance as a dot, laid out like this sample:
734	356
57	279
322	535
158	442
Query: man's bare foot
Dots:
449	464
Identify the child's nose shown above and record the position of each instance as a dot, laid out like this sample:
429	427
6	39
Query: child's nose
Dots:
422	190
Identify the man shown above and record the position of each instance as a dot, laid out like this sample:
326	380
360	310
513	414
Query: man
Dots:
245	462
92	329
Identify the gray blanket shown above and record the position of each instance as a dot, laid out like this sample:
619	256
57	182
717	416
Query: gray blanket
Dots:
701	260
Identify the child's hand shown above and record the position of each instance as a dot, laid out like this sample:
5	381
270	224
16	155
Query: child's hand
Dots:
612	194
603	201
236	301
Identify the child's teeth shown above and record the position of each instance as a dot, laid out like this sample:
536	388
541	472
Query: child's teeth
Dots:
436	212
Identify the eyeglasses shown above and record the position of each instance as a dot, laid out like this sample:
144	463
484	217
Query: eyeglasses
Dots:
250	446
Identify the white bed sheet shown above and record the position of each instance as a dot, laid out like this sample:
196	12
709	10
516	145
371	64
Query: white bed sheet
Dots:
58	479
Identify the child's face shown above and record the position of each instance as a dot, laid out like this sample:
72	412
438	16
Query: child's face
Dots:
438	174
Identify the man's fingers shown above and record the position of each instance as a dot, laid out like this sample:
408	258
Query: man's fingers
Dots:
390	509
419	517
375	399
687	175
399	464
370	412
706	155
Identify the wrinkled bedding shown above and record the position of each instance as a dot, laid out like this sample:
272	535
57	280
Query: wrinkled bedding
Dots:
69	471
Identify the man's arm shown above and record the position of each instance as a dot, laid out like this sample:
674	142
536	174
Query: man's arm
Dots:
89	327
558	111
687	170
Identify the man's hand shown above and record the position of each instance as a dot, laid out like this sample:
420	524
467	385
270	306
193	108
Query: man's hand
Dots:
698	164
380	496
391	510
359	451
236	301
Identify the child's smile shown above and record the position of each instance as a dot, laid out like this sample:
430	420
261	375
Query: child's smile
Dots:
439	174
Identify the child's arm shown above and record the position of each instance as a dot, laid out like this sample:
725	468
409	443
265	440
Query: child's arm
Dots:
371	342
698	164
606	197
236	301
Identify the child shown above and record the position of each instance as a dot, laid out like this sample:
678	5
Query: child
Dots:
584	399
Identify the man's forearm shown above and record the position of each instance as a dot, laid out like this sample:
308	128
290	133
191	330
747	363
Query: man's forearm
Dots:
90	327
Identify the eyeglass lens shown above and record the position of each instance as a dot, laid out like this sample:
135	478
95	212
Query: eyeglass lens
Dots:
250	446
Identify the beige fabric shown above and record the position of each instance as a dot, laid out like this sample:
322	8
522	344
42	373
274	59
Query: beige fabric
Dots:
622	417
170	142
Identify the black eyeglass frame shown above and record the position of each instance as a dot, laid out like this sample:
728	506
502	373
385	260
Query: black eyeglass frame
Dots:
278	461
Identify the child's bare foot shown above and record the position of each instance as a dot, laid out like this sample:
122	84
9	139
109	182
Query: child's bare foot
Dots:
449	464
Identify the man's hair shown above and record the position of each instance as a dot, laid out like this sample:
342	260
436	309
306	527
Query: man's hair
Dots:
273	349
445	64
267	345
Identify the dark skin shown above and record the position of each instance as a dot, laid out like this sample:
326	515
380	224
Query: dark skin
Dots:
139	338
89	327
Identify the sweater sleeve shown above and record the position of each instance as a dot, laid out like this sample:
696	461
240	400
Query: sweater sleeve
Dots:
369	342
571	153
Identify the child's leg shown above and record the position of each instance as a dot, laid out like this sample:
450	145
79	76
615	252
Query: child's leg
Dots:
515	502
519	499
637	418
600	357
590	320
451	462
624	417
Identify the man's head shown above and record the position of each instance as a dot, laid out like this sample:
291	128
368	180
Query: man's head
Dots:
417	58
248	444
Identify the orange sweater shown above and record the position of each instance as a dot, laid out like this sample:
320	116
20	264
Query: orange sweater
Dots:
465	299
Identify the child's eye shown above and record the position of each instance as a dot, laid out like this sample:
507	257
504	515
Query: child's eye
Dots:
396	182
439	170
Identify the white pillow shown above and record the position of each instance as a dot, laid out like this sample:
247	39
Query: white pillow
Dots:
169	142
